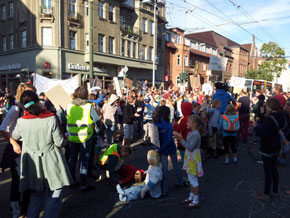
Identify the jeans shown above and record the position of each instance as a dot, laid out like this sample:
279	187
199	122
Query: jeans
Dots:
271	174
84	150
52	206
176	167
244	126
230	141
110	130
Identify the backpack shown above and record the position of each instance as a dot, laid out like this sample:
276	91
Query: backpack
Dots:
231	124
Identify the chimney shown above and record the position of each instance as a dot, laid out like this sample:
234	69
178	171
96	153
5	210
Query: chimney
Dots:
253	46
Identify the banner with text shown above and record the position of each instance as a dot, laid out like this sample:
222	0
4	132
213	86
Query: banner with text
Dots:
218	63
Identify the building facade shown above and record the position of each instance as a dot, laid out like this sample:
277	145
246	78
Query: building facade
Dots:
51	38
253	54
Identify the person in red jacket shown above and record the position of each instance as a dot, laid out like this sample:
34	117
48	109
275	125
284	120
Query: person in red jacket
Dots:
128	174
181	127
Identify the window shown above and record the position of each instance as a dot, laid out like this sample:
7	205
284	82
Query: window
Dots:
167	37
150	55
87	42
101	42
128	48
214	51
185	60
46	3
122	20
144	25
111	45
72	38
192	45
4	44
72	7
23	39
111	13
207	49
179	40
151	27
123	47
200	47
101	9
134	49
11	42
46	36
143	51
3	13
86	8
11	9
178	60
204	67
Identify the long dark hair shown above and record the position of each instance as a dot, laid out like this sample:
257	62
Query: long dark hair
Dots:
28	97
163	113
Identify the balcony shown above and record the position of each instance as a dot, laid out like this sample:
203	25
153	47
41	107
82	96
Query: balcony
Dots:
46	13
74	19
131	31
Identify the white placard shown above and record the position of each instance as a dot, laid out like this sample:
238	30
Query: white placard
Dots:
43	84
117	86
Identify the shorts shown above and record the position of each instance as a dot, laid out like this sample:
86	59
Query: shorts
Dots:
193	180
128	131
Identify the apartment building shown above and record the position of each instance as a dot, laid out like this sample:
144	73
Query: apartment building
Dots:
237	55
51	38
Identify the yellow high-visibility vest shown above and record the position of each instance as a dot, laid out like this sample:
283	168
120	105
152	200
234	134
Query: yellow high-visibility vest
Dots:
112	150
79	122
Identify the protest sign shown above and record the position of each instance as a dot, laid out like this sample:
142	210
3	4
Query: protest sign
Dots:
59	97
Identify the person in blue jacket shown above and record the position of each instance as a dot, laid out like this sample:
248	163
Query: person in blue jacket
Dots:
167	147
222	95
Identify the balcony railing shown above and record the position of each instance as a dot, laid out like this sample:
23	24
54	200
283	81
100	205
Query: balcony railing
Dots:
130	30
75	19
46	12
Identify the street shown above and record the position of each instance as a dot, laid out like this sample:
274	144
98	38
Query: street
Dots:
226	192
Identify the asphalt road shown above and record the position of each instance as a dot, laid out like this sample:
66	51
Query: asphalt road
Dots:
226	192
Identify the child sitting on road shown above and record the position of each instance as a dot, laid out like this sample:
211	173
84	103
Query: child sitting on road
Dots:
192	160
152	181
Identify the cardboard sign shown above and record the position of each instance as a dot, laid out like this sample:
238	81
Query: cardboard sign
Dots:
59	97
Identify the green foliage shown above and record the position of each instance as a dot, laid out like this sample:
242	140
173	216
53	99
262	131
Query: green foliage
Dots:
275	61
259	75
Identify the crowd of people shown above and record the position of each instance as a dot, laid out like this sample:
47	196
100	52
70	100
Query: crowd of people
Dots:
96	129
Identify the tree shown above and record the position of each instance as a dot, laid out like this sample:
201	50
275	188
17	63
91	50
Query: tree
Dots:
259	75
275	61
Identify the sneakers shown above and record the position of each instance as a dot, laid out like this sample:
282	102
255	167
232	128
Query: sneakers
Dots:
263	197
192	205
226	162
186	201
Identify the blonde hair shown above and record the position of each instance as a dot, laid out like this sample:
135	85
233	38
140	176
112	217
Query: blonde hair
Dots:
197	120
21	88
230	110
153	155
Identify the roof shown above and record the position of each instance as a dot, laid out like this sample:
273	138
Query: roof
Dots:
181	30
197	52
213	38
247	46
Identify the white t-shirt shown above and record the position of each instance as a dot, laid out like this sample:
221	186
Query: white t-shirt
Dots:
10	120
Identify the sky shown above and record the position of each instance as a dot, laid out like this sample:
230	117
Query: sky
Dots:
268	20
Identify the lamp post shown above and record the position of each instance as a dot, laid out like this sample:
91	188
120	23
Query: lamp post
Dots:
154	44
91	29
